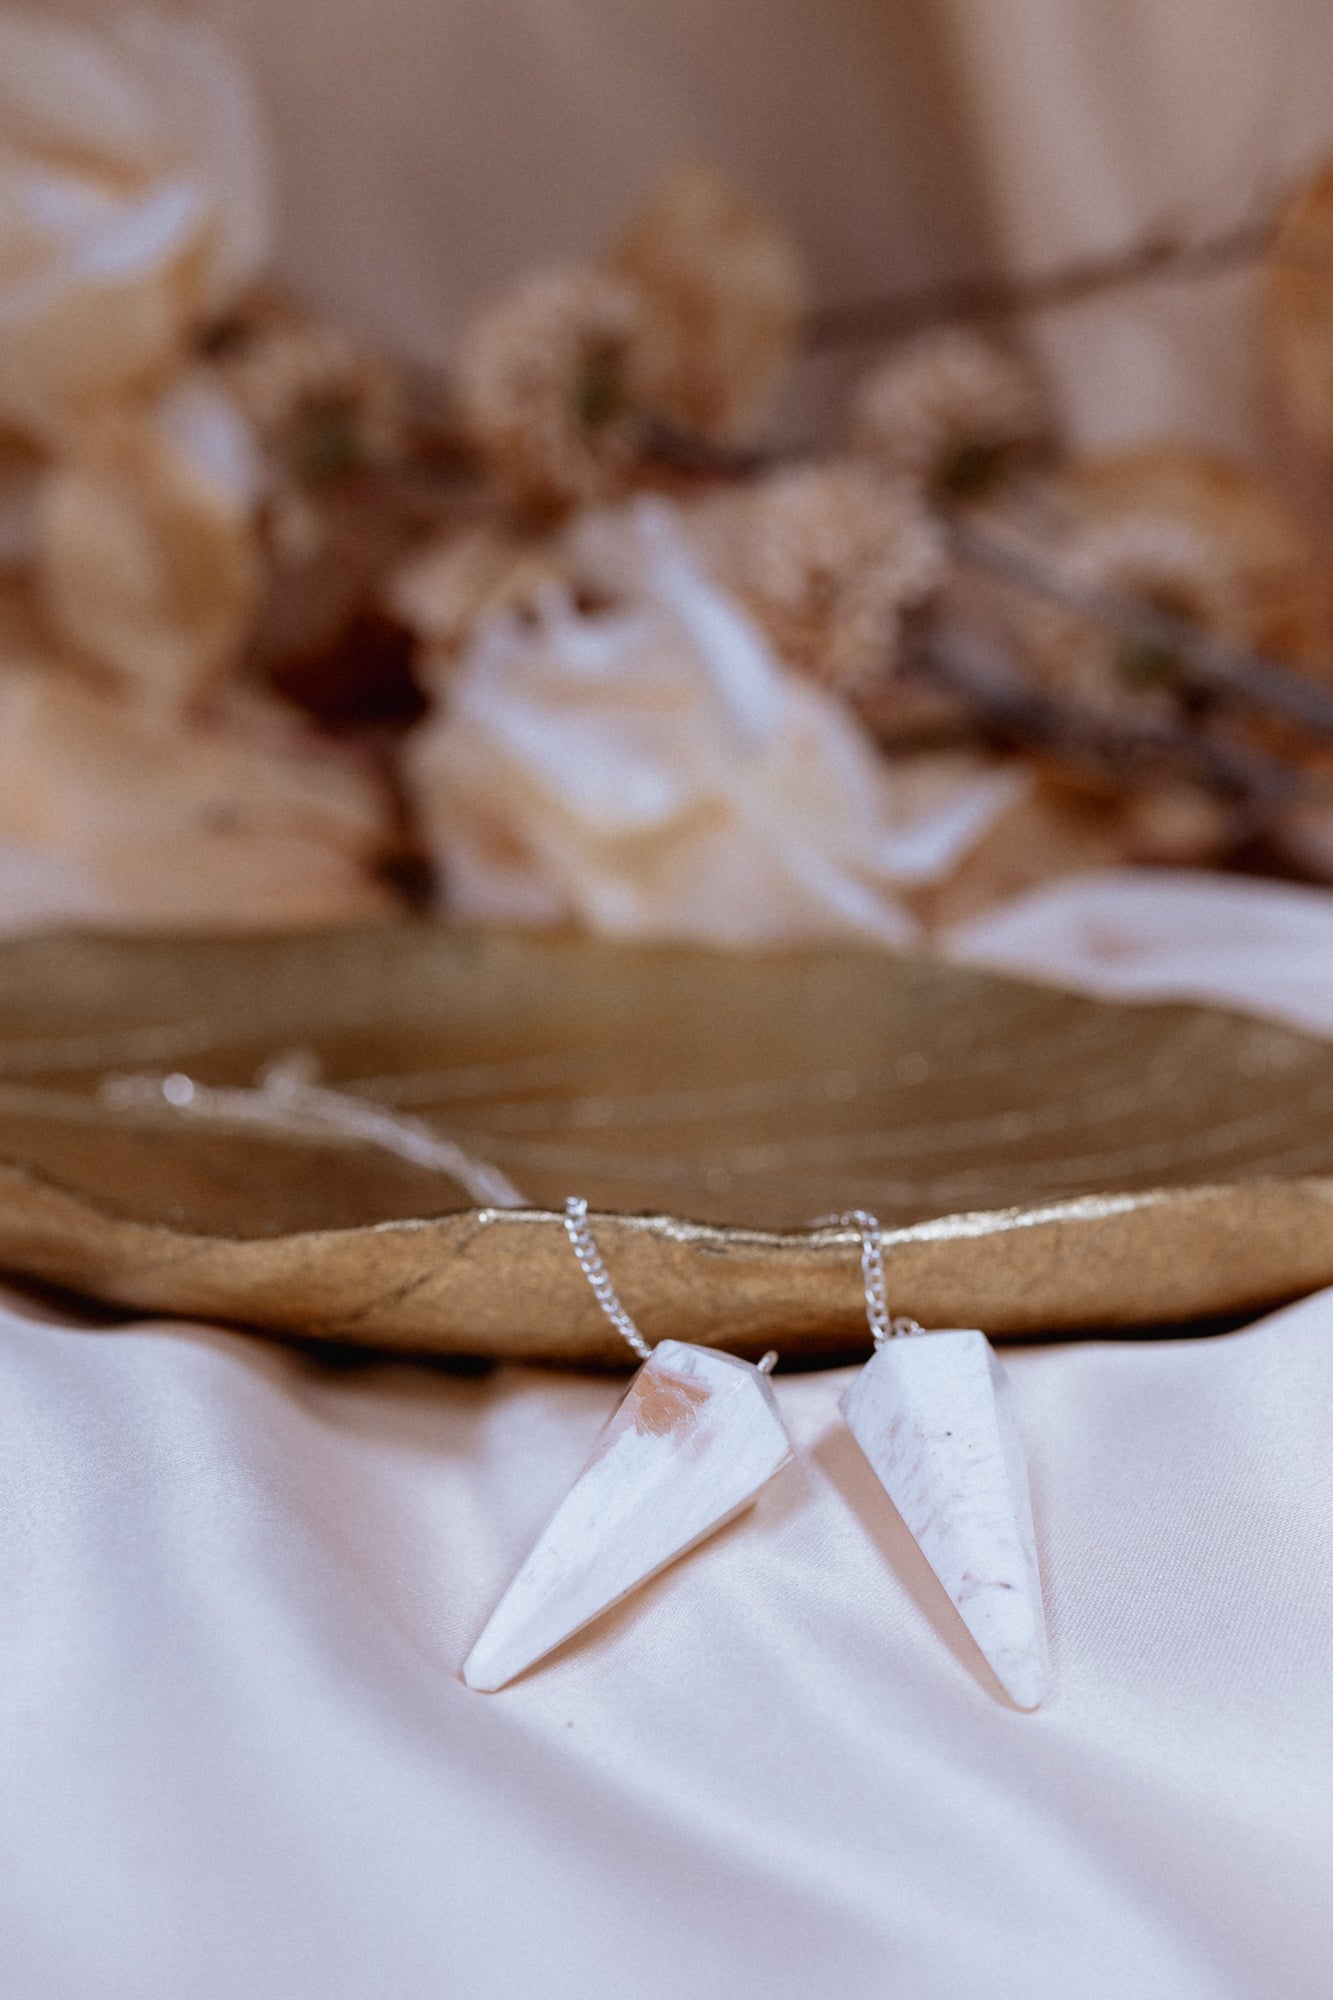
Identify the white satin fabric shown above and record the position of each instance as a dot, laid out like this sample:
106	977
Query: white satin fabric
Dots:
238	1584
1167	934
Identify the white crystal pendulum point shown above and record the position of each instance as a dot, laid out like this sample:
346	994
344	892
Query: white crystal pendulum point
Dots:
695	1438
931	1413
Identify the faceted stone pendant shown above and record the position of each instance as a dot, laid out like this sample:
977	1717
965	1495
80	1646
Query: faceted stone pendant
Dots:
695	1438
931	1413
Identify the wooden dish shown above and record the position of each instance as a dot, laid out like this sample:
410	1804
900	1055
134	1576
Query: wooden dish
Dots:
1042	1163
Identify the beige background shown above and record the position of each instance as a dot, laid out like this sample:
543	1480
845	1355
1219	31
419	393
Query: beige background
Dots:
425	148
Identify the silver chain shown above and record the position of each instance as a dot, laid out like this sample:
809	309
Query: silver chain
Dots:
882	1326
595	1271
872	1272
288	1097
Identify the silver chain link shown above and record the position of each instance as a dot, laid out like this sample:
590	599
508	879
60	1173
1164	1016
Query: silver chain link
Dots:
288	1095
595	1271
872	1272
882	1325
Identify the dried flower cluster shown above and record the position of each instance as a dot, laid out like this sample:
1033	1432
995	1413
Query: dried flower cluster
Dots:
696	667
320	402
951	413
1162	564
541	380
826	558
690	322
133	480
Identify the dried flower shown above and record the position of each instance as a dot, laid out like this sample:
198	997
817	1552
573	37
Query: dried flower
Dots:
133	206
722	292
1253	530
649	769
320	401
950	412
1299	315
242	818
542	385
1164	564
826	559
148	553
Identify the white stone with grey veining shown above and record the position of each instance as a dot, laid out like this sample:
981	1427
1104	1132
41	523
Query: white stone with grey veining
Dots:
932	1413
695	1438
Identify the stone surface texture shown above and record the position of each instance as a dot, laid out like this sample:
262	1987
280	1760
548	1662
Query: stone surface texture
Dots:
931	1412
695	1438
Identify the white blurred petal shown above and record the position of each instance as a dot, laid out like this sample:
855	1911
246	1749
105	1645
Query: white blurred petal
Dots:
133	208
93	325
208	431
653	771
148	555
66	90
214	122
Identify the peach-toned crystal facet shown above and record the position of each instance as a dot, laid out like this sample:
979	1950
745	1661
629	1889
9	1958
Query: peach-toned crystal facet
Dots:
695	1438
931	1413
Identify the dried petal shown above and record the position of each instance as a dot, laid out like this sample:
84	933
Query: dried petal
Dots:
1176	826
210	119
1047	833
93	320
443	592
239	821
149	560
69	91
132	205
723	293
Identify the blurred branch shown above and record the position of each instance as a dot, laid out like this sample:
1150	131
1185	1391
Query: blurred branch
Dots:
966	664
1157	258
1260	683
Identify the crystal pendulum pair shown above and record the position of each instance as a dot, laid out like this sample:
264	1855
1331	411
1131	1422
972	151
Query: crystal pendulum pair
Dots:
693	1441
697	1436
931	1411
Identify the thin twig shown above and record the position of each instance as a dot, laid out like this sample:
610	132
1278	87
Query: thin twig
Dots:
1155	259
1248	677
965	664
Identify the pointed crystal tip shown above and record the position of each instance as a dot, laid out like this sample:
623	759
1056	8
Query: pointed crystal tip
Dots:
1027	1682
481	1675
697	1435
932	1415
